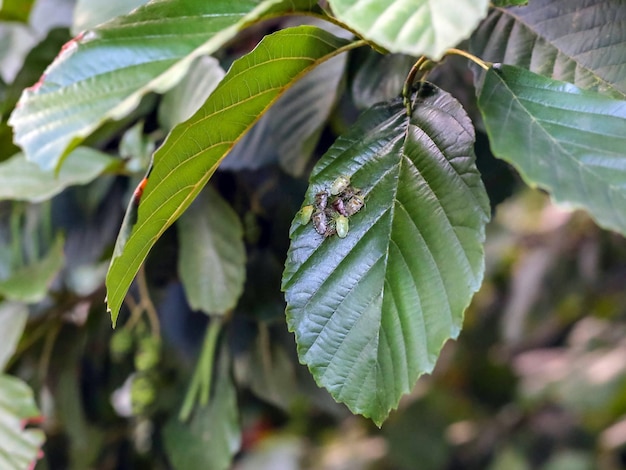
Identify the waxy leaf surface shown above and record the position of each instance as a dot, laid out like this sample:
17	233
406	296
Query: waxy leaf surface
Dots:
371	311
194	149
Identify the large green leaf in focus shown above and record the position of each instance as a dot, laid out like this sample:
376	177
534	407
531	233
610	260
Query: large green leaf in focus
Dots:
371	311
194	149
577	41
18	447
104	73
212	257
213	435
22	180
290	130
413	27
182	101
565	140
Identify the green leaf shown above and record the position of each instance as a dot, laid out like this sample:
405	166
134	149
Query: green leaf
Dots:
15	10
380	78
194	149
13	316
212	437
25	181
563	139
582	42
414	27
35	63
290	130
371	311
212	257
182	101
18	446
91	13
30	283
103	74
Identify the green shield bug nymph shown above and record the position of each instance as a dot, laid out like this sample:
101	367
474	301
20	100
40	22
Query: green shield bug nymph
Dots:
342	226
339	185
304	215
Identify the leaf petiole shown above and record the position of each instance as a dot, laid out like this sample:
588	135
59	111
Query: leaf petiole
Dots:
201	382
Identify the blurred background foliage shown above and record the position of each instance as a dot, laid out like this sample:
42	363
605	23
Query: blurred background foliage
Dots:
537	378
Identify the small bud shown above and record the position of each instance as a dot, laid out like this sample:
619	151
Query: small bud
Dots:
147	355
121	343
142	394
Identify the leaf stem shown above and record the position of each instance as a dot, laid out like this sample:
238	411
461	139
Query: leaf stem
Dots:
203	374
467	55
146	302
408	83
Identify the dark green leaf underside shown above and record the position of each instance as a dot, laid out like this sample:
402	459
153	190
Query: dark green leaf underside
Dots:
578	41
563	139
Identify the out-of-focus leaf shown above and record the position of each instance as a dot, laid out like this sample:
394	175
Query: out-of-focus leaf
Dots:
212	257
15	10
414	27
380	78
212	437
182	101
103	74
25	181
578	41
283	451
136	148
13	317
35	63
18	446
571	460
85	439
507	3
563	139
268	370
289	131
91	13
511	459
30	283
371	311
194	149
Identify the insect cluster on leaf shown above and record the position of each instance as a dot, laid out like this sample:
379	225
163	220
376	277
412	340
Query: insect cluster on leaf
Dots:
332	218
